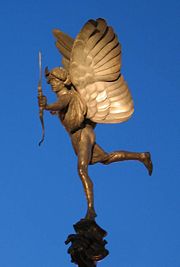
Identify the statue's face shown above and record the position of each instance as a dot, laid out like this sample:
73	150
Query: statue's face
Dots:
56	84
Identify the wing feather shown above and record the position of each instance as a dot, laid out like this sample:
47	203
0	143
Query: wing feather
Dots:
65	63
64	44
107	38
105	50
64	51
63	38
111	62
108	70
96	37
116	53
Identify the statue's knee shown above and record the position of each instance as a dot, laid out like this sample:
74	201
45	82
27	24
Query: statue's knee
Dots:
82	168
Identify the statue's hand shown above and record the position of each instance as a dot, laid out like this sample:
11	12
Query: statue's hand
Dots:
42	101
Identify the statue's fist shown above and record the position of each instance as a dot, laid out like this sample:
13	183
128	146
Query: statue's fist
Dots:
42	101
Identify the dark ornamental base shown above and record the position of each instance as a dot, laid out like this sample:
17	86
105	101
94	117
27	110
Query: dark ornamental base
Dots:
88	245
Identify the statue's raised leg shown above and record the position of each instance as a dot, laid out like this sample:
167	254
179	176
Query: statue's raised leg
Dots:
99	155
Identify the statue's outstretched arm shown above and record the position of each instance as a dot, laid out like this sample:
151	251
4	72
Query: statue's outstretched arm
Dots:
56	106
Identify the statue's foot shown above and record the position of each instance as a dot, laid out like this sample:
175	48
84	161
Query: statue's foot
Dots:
91	214
146	160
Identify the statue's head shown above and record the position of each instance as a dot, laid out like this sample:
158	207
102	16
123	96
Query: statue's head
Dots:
58	78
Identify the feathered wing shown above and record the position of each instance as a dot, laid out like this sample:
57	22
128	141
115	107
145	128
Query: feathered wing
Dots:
95	72
64	44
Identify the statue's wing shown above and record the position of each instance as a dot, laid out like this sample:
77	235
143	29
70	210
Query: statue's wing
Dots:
64	44
95	72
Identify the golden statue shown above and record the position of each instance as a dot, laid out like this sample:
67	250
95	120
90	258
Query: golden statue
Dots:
90	89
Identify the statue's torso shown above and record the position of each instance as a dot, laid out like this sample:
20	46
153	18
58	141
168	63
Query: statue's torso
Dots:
73	115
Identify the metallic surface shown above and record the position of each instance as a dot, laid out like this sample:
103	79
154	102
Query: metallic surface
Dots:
90	90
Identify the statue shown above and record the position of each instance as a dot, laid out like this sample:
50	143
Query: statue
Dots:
90	89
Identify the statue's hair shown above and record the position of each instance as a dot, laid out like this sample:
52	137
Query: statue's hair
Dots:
59	73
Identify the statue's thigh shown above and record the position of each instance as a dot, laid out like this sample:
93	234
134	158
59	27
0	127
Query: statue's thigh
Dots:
86	144
83	142
75	137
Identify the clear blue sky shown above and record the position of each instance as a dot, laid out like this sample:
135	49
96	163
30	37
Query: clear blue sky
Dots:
41	195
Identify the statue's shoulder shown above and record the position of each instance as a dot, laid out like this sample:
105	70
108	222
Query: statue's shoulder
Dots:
64	92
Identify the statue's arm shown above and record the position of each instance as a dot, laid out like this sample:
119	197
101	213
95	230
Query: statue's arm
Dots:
56	106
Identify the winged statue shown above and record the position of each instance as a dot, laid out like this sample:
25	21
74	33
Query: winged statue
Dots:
90	89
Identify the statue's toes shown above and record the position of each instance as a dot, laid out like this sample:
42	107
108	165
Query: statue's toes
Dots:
147	162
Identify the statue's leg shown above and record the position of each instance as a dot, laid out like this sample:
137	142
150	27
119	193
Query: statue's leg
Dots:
99	155
84	153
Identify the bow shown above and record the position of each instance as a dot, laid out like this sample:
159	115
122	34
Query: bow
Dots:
40	95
